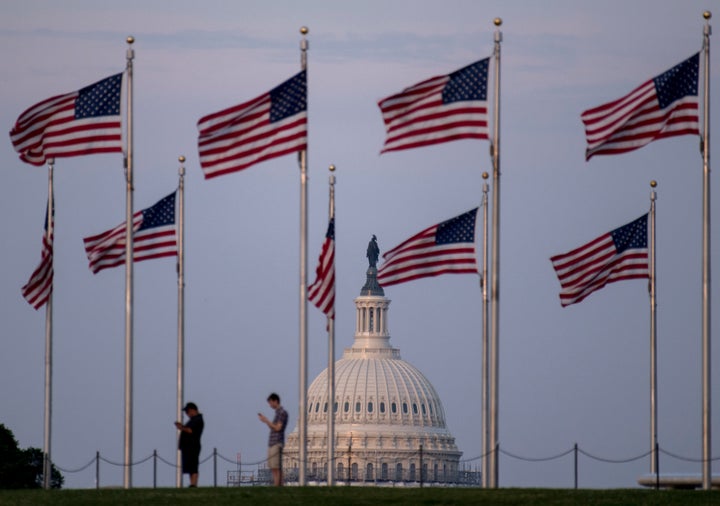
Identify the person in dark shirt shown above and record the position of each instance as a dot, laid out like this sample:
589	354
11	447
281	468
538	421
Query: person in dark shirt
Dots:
277	437
189	441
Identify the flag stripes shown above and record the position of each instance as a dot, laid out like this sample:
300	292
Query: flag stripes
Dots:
446	248
271	125
439	109
614	256
154	236
38	289
83	122
662	107
322	291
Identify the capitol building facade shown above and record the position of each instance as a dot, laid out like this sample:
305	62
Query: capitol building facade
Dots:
389	420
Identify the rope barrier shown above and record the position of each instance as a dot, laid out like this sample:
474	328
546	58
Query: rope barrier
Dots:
92	461
365	455
121	464
489	452
167	462
686	459
536	459
222	457
613	461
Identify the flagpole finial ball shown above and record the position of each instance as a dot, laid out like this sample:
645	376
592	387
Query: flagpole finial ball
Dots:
497	21
304	30
130	39
653	183
485	175
707	14
331	168
181	159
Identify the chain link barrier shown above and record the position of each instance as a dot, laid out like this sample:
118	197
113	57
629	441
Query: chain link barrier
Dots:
256	466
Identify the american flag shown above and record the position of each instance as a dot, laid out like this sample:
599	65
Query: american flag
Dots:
446	248
38	289
273	124
154	236
664	106
440	109
322	291
78	123
619	254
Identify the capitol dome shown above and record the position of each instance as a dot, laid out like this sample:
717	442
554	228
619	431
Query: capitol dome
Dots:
389	420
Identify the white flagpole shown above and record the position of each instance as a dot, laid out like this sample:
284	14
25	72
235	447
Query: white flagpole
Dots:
180	225
706	284
331	358
47	425
495	280
653	338
485	345
302	402
127	470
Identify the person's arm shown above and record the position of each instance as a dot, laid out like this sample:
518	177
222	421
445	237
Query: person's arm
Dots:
183	428
275	427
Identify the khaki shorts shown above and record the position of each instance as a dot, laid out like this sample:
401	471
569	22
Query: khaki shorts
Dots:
275	456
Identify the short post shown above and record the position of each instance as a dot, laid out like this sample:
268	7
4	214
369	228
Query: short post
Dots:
657	467
214	467
154	468
576	465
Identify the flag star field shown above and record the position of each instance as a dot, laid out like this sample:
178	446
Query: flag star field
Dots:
458	229
631	236
99	99
289	98
469	83
678	82
162	213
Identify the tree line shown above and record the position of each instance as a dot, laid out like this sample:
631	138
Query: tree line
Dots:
23	468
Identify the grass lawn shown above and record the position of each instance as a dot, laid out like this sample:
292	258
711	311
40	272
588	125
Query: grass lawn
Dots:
370	496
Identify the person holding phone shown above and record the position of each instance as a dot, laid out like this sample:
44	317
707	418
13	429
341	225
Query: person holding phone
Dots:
277	437
189	441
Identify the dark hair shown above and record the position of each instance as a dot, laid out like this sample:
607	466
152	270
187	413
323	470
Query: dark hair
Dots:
273	397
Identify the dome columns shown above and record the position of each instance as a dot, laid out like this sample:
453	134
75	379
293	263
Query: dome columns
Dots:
371	326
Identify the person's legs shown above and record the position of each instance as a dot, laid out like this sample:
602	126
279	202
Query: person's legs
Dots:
275	463
190	465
